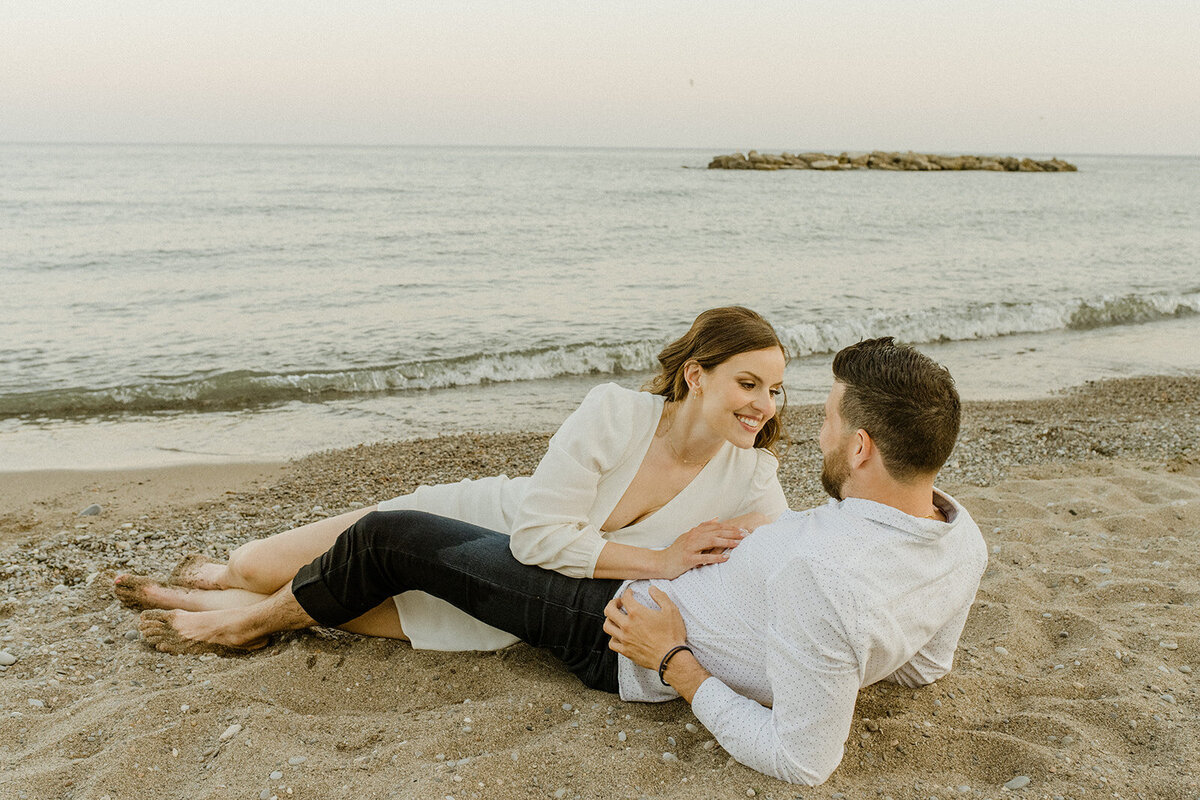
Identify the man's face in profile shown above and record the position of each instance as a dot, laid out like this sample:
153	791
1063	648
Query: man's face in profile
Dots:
835	464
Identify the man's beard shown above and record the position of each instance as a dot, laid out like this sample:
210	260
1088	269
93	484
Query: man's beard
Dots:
835	470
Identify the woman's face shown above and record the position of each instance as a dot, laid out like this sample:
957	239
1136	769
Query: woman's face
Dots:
737	397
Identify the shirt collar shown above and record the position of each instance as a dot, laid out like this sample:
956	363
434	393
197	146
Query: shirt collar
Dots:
895	518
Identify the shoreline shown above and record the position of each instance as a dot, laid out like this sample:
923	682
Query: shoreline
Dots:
1075	669
1015	366
1108	418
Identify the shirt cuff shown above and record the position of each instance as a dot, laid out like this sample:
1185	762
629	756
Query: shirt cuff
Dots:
710	700
595	556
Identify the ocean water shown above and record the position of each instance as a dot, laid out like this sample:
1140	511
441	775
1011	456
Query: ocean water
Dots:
165	304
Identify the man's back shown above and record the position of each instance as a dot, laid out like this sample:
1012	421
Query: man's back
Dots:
808	610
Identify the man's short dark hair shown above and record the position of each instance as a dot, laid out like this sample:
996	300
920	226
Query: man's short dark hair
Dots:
904	399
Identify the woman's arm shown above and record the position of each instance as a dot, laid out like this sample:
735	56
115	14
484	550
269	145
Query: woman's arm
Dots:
707	543
552	528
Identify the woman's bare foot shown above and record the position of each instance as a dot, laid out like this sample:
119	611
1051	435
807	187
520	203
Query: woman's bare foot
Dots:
197	571
194	632
141	592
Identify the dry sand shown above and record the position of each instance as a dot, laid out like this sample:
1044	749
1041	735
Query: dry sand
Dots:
1075	669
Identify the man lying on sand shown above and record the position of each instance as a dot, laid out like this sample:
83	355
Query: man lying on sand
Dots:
769	647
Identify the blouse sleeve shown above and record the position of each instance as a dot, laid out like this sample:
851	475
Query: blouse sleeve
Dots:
765	495
552	529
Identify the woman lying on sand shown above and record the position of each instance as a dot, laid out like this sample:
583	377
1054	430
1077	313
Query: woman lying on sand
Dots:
625	473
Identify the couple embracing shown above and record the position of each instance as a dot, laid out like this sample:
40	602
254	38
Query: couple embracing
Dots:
653	553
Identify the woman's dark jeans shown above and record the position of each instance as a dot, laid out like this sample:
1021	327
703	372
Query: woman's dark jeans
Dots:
389	552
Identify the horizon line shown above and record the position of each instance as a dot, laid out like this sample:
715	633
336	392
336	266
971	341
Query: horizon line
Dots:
365	145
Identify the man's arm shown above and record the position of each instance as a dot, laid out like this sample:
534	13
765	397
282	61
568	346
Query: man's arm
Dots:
937	656
645	636
799	740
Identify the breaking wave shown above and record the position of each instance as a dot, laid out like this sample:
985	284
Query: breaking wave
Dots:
244	389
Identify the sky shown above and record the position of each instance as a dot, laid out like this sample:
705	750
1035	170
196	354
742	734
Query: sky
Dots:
1017	77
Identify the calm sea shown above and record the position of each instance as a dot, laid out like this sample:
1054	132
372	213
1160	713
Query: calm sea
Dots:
165	304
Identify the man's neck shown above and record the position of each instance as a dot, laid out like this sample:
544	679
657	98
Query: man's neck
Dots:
916	499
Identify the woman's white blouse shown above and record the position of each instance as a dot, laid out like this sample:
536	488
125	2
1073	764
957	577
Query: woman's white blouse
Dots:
590	463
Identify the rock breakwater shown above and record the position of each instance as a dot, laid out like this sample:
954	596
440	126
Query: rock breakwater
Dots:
877	159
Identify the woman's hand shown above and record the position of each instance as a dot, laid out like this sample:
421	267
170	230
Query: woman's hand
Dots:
704	544
748	522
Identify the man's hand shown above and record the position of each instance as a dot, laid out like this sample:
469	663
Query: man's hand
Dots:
644	635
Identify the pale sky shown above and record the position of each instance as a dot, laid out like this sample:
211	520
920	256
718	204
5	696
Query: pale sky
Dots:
1016	77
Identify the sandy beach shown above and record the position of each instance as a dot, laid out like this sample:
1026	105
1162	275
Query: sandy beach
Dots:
1074	677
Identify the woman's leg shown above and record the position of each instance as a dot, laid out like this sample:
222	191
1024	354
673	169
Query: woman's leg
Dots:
385	553
255	571
264	565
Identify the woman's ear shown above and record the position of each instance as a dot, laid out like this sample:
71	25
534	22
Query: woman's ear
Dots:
693	373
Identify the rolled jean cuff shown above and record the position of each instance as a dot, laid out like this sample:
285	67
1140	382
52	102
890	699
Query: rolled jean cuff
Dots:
313	595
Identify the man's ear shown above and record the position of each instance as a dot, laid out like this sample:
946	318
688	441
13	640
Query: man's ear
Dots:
863	449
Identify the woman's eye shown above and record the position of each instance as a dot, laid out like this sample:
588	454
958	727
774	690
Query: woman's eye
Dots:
747	386
776	392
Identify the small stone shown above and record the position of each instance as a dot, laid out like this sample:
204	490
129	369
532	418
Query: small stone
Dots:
566	706
691	728
265	794
560	794
1002	651
1185	669
1019	782
621	736
230	732
751	793
670	757
1168	698
296	761
91	510
33	701
7	659
133	634
183	709
1169	645
276	775
709	745
671	741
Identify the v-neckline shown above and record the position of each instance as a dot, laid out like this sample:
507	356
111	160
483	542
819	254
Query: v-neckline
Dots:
662	409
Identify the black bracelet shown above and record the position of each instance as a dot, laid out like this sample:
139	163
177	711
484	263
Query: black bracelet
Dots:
662	665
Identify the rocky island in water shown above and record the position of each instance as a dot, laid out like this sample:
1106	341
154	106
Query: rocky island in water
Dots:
890	161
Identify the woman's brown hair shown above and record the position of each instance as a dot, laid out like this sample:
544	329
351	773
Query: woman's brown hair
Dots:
716	336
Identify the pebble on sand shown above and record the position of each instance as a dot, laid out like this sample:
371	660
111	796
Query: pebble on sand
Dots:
1019	782
296	761
91	510
7	659
230	732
